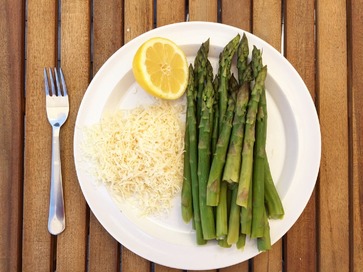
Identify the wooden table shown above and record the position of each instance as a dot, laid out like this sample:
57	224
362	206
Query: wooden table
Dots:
322	39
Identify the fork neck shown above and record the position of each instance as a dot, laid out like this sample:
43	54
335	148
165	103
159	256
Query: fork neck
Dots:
56	130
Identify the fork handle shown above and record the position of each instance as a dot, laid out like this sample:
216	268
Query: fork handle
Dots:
56	219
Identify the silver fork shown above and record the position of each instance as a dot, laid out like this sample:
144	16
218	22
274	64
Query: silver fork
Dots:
57	111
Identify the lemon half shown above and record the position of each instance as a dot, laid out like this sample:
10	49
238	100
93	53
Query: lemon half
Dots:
160	67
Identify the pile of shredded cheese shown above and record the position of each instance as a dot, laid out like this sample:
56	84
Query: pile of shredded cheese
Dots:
138	154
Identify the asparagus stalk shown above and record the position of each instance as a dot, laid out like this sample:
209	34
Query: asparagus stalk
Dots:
246	216
264	242
215	175
215	117
193	155
200	73
225	62
241	241
233	160
242	58
204	154
186	194
234	219
249	139
274	207
258	182
222	213
256	61
223	243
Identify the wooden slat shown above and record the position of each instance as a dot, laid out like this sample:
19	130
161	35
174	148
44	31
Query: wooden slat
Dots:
300	51
356	84
107	30
131	262
267	25
138	18
169	12
11	133
75	62
203	10
333	246
41	51
267	21
237	13
161	268
107	38
241	267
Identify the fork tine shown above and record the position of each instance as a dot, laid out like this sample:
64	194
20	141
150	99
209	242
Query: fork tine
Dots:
65	92
57	82
52	82
46	84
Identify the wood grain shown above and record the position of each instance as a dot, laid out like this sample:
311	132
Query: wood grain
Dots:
203	10
161	268
333	246
241	267
133	263
104	252
138	18
41	50
267	21
11	133
270	260
168	12
75	62
300	51
267	25
237	13
356	103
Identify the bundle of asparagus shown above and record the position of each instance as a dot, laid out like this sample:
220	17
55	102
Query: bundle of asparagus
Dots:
228	191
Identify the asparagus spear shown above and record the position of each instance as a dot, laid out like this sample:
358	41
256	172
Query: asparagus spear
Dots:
222	213
241	241
264	242
193	157
200	73
274	207
186	194
258	183
234	219
233	160
215	117
249	139
246	216
225	62
242	58
219	156
256	61
204	143
245	75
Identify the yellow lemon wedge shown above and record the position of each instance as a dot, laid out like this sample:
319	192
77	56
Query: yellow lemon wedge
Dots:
160	67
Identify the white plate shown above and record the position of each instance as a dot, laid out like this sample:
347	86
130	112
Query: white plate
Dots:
293	147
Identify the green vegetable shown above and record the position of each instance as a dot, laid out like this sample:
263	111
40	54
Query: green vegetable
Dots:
193	156
249	139
204	157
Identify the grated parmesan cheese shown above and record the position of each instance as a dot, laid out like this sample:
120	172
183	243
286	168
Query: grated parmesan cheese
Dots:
138	154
